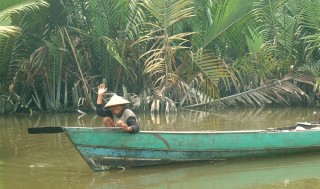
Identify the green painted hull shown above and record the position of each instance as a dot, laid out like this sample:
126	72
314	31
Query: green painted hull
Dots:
104	148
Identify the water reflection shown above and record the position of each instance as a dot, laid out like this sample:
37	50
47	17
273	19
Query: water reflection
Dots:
237	119
50	161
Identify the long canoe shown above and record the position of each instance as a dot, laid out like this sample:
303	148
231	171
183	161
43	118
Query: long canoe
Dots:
103	148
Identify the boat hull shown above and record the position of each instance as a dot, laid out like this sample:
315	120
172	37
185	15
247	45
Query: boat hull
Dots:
105	148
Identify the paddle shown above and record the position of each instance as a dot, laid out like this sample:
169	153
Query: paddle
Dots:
42	130
59	129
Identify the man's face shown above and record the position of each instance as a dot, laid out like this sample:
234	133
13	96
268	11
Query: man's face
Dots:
116	109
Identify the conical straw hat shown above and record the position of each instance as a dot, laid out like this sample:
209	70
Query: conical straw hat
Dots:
116	100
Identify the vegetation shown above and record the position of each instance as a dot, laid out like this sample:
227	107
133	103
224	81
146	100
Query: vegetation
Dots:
163	55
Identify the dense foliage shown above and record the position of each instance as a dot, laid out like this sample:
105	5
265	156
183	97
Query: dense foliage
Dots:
163	55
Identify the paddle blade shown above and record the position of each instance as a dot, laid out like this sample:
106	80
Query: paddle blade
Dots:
45	130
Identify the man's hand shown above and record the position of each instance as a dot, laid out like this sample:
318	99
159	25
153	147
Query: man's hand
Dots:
102	89
126	128
123	126
119	123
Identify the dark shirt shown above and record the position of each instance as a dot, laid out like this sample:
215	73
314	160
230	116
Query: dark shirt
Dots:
103	112
131	121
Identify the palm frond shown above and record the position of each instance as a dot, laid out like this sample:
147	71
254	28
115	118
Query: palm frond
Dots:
112	49
267	15
212	70
274	91
22	7
169	12
7	41
163	43
7	31
253	69
106	15
313	69
309	15
107	23
6	49
254	40
136	18
228	17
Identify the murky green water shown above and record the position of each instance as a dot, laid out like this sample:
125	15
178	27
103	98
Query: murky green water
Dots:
50	161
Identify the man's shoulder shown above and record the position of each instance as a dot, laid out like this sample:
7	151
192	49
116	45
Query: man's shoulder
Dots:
128	113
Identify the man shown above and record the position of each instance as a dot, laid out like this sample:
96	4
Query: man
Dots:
114	112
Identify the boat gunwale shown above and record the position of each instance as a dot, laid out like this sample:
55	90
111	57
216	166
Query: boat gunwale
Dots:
193	150
270	130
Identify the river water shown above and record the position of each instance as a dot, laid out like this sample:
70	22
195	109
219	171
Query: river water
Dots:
49	161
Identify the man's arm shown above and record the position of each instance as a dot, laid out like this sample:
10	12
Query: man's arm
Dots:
132	122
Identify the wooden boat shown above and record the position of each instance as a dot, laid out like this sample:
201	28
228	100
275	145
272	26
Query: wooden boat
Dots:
103	148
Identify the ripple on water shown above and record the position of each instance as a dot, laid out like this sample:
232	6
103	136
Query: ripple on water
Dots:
41	165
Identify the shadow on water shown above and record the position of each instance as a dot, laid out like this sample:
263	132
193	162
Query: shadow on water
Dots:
50	161
282	171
